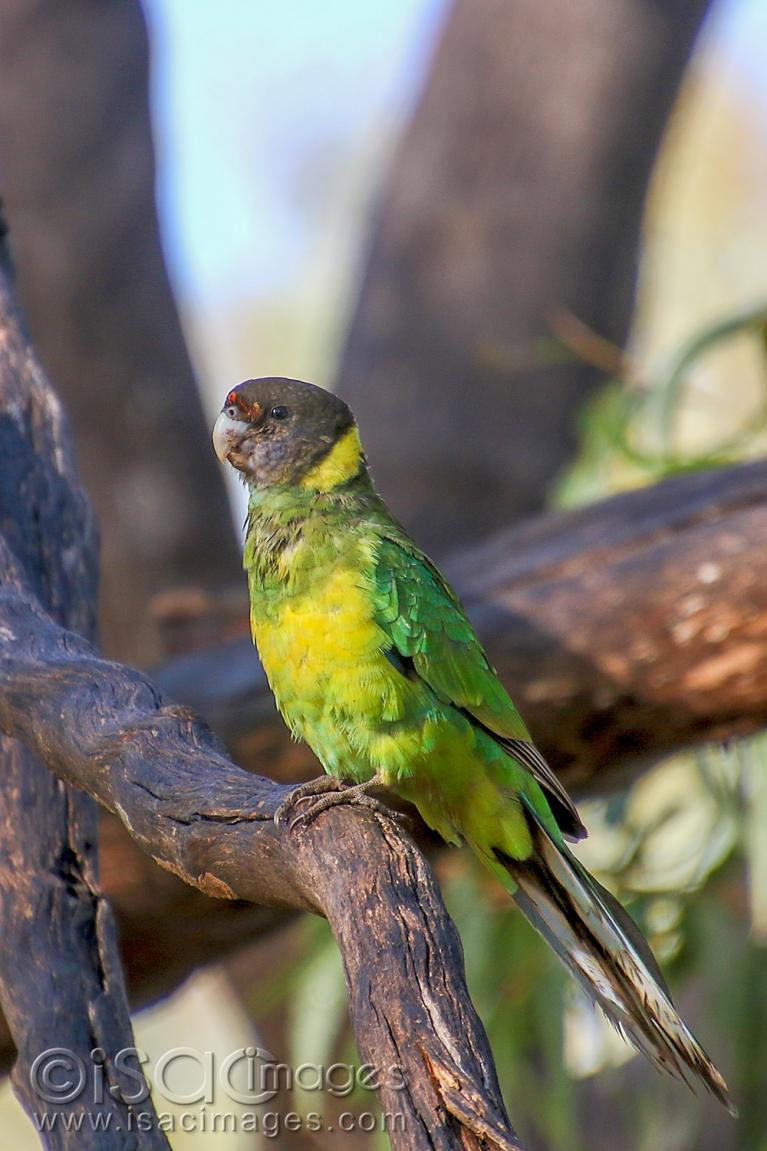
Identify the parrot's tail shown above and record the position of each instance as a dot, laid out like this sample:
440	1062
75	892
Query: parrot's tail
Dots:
606	952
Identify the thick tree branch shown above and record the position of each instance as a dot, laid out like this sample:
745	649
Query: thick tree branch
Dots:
625	631
106	729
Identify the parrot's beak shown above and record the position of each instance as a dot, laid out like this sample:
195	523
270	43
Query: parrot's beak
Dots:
226	433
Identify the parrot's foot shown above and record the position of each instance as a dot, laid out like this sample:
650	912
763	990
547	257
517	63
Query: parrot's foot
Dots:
326	792
309	790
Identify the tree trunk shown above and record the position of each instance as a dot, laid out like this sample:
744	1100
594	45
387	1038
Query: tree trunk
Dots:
516	194
77	172
61	981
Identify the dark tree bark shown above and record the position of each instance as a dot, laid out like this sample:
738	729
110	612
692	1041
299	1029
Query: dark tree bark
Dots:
167	929
77	172
61	983
516	193
106	730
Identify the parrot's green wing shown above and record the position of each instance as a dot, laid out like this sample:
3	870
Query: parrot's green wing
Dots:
431	635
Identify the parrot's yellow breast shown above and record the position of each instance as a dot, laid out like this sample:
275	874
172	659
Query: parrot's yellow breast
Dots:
325	628
324	657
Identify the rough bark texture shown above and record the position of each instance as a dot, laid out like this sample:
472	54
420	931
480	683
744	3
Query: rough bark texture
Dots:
77	170
517	193
106	730
61	982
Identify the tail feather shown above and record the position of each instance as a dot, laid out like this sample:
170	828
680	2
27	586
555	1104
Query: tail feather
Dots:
605	951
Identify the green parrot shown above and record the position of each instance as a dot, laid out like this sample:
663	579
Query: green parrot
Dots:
373	662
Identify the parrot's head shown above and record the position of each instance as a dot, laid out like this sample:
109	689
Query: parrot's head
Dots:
277	431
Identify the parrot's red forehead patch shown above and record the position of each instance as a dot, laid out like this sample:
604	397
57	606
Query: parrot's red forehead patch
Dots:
251	410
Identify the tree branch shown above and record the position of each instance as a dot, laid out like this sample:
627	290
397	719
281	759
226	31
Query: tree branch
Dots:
106	730
625	631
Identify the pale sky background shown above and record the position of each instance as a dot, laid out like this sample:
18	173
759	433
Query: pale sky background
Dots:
249	94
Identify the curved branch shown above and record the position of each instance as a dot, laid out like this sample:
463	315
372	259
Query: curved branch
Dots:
106	729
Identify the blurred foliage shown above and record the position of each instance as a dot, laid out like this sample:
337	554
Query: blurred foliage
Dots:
633	433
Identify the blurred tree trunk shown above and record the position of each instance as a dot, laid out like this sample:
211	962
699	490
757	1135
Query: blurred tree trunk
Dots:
77	174
516	194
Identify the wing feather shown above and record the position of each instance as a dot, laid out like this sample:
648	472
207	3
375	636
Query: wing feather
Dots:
428	626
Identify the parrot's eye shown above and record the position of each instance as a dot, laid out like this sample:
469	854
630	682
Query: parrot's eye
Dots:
280	412
232	411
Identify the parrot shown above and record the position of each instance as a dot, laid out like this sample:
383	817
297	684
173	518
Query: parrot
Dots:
373	662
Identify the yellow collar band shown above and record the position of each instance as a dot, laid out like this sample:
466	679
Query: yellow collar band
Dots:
342	463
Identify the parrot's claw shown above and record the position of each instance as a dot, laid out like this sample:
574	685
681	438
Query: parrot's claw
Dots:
309	790
335	799
325	792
